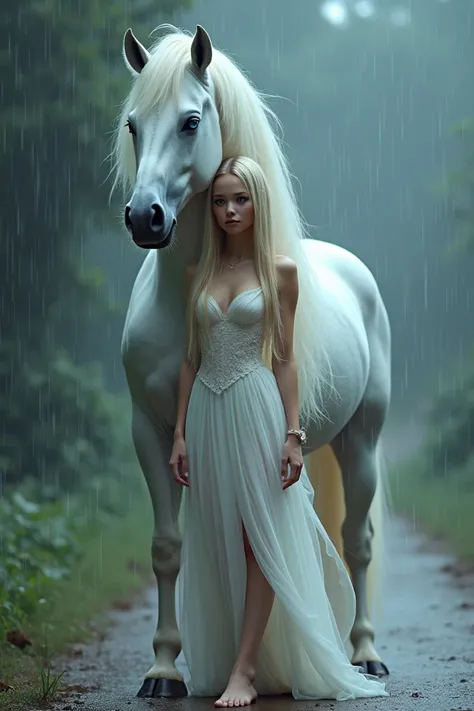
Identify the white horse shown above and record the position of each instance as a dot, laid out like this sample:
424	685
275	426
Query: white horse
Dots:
189	107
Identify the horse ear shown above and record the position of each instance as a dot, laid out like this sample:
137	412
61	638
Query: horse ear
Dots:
134	53
201	49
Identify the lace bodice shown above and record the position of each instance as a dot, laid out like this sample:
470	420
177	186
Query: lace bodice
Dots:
236	340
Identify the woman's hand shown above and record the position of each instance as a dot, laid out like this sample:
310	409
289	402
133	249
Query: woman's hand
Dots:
179	461
292	457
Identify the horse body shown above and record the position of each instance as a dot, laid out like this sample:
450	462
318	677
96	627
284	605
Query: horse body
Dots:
167	208
351	312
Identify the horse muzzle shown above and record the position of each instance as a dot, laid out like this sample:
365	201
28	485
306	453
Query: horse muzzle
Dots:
150	227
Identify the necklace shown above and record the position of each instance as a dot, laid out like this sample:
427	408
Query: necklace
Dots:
232	266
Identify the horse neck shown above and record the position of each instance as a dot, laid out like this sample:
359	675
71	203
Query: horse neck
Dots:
186	250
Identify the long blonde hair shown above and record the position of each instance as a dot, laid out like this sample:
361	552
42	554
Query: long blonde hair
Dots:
252	176
248	127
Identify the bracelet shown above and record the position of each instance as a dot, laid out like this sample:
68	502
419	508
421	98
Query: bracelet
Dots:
300	434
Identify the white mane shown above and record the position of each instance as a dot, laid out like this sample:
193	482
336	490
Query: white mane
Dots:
248	127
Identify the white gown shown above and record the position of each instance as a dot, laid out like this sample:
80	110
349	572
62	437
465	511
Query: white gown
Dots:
235	431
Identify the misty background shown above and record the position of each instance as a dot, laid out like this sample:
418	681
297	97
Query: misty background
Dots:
371	96
376	99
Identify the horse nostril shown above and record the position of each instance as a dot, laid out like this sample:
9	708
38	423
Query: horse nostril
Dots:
128	222
148	219
157	217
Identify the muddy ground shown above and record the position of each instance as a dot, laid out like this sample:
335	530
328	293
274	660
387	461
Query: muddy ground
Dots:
426	638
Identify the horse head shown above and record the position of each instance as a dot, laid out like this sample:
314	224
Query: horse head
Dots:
176	140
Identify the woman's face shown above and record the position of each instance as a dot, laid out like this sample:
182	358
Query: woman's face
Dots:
232	205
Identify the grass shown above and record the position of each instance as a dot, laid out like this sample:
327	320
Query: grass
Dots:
441	505
116	564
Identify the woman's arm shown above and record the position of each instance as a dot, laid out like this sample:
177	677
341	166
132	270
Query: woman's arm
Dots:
187	376
285	370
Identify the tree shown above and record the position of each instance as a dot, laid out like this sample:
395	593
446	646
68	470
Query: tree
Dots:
460	190
62	80
450	442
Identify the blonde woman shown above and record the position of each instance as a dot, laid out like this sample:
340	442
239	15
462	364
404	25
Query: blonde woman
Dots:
265	602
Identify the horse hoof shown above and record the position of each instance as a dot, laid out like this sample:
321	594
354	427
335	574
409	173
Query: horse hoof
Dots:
168	688
374	668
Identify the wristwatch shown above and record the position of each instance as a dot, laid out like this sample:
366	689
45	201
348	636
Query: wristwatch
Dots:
301	434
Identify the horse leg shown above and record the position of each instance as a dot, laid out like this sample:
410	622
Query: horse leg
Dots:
356	450
153	450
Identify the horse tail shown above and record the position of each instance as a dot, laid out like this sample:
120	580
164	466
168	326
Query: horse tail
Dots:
326	478
379	516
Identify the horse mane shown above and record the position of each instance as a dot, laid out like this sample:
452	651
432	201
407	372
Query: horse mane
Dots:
248	127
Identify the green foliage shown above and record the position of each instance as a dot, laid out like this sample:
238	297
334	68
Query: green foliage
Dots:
457	192
64	64
449	446
68	62
85	315
460	188
50	683
39	548
442	505
62	79
86	482
101	575
71	436
437	486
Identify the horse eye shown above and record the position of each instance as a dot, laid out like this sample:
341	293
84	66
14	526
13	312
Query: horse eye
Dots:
191	124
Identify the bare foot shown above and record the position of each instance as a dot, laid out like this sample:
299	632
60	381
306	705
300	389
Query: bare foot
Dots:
239	692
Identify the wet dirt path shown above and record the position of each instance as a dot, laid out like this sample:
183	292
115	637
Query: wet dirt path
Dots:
426	638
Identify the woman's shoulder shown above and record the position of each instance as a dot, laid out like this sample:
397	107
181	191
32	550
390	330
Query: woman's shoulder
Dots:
287	274
286	268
